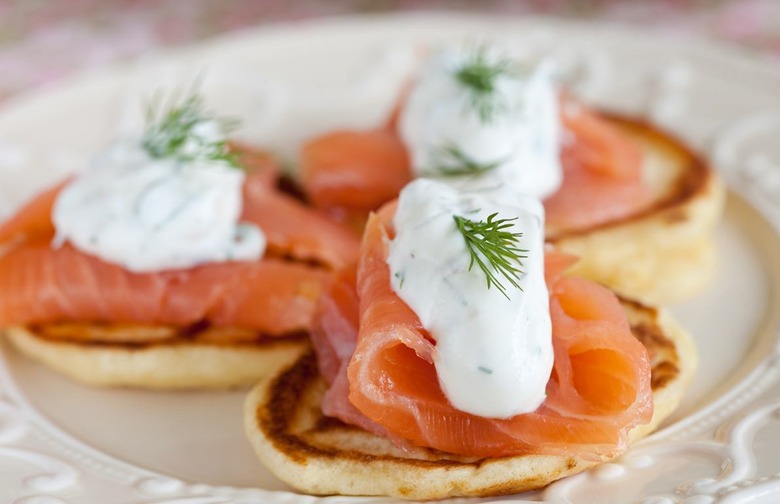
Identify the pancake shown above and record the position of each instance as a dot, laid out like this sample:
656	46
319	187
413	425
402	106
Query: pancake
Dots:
320	455
157	357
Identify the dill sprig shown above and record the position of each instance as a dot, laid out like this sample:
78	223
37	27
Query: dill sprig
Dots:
180	132
479	76
455	162
493	249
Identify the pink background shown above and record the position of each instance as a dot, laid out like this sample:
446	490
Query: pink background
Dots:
41	40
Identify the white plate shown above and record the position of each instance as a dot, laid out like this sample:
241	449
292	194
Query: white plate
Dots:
60	442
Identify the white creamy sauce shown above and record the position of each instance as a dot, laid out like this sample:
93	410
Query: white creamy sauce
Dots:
493	355
521	136
149	214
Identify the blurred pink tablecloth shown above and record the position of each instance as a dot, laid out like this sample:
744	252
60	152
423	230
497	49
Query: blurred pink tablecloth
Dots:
41	40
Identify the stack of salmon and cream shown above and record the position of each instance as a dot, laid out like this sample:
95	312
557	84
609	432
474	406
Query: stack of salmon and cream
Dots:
173	261
469	351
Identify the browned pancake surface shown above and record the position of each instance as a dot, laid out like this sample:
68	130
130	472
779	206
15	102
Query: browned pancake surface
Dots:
323	455
157	357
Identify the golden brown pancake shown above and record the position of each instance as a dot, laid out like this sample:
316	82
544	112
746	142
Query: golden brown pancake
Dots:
157	357
321	455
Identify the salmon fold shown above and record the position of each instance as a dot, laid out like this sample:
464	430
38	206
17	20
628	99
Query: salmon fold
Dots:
43	282
378	360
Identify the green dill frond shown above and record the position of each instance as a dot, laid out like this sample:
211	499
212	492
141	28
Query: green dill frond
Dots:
454	162
494	250
173	133
479	76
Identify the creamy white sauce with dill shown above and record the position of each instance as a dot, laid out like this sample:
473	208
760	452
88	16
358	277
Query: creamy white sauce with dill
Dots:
493	355
150	213
514	129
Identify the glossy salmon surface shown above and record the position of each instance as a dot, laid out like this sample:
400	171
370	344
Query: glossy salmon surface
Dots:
41	282
352	172
378	358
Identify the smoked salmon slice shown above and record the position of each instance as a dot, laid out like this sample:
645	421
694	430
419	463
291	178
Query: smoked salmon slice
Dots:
42	283
294	230
28	223
336	323
598	391
334	335
354	172
602	173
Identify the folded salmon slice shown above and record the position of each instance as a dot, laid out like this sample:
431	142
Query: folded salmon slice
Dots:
353	172
295	230
32	222
598	391
602	173
40	283
359	170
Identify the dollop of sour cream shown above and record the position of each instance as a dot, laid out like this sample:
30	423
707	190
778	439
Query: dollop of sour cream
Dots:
149	214
520	136
493	355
